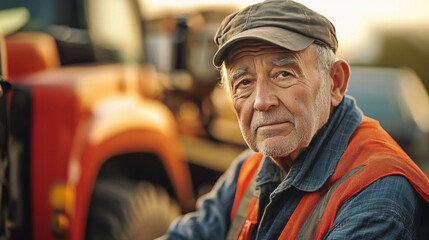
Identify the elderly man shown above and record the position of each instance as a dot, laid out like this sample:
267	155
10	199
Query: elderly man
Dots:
319	169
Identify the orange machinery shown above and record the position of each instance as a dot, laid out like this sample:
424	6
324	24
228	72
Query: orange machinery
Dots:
77	126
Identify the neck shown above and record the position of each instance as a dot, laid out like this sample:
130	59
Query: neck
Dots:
285	163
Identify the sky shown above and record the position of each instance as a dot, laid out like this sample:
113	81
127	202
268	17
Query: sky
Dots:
357	22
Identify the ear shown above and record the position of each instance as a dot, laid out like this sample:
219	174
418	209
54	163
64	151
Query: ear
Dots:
340	74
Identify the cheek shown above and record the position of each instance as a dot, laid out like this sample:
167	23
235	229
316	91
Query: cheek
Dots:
301	104
244	110
295	101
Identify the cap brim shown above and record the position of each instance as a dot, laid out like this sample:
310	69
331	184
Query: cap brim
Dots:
284	38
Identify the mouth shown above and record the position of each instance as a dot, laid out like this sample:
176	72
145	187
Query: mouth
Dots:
272	125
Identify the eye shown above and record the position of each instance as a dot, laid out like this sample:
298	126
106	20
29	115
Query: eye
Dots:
284	79
243	86
243	83
283	74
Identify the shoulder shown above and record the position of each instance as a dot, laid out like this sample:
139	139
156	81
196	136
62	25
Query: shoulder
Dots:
238	162
212	219
248	159
392	192
228	181
389	208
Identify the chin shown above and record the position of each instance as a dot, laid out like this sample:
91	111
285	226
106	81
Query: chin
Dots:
277	146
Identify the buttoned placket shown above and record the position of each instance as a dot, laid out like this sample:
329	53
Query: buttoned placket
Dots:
278	179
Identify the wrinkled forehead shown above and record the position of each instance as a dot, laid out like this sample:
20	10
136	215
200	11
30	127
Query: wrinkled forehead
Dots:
254	48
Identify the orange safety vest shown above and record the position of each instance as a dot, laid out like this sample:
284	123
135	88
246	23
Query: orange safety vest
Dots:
370	155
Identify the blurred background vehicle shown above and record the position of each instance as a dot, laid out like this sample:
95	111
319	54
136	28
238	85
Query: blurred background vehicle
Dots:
93	153
397	98
127	103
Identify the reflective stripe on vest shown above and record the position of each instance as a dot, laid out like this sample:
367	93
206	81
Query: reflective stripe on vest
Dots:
308	230
242	218
370	155
244	212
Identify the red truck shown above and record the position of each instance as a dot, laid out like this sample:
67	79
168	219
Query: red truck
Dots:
92	154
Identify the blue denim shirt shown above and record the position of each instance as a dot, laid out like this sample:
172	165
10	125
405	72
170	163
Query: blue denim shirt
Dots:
388	209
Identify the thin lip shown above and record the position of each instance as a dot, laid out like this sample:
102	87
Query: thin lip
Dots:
272	123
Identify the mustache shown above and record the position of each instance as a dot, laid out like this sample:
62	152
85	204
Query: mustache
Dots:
260	119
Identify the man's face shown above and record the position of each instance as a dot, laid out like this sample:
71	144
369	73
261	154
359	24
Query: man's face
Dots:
280	97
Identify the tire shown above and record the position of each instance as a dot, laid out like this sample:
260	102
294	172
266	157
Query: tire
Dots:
126	210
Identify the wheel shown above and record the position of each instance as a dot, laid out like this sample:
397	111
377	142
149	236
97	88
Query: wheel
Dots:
126	210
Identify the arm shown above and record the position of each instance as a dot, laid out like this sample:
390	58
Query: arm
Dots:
389	208
212	219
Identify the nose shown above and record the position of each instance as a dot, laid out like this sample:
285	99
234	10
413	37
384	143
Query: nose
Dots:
265	98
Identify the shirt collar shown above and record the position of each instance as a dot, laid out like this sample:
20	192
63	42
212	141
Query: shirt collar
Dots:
317	162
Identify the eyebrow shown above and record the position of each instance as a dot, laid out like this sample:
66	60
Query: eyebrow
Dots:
234	74
281	62
288	61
